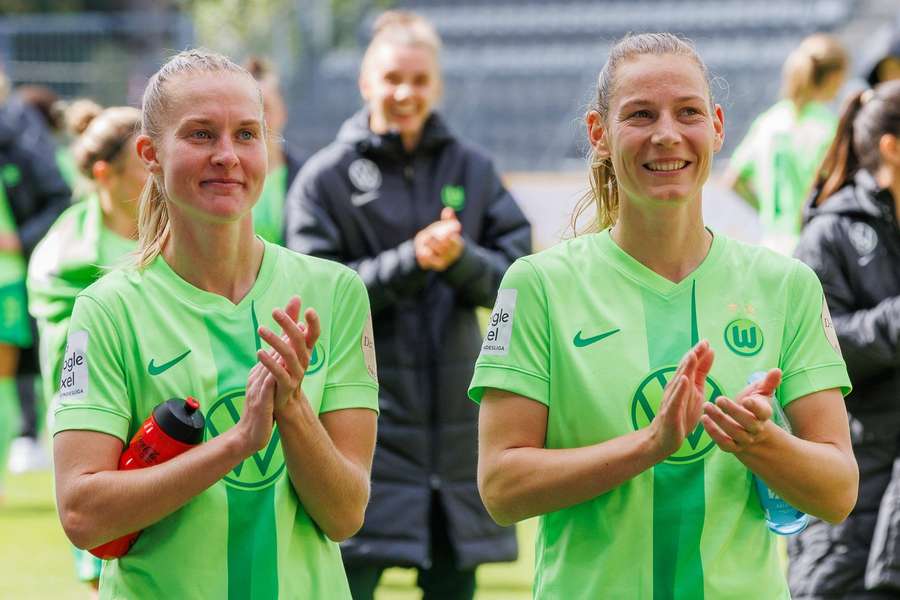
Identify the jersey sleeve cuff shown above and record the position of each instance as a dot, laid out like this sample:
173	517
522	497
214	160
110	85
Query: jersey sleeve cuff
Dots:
349	395
511	380
807	381
91	419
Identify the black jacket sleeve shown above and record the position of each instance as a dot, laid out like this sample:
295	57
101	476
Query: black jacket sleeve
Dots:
870	338
505	236
49	193
314	229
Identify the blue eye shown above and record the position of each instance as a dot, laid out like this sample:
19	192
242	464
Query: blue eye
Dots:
246	135
201	134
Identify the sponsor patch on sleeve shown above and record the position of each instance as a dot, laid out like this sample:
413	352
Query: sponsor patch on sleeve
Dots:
828	326
367	341
73	381
496	340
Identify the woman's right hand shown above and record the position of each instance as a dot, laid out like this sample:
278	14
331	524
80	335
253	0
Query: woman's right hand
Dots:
682	404
255	425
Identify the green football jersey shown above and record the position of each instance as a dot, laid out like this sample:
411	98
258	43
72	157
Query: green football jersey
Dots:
268	212
138	338
780	156
590	332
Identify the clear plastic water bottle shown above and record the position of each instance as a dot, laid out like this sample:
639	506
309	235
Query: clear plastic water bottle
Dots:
781	517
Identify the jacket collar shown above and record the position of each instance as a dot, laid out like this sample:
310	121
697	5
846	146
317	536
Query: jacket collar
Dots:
355	131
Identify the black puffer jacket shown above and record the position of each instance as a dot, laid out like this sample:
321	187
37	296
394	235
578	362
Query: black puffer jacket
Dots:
361	201
35	188
852	241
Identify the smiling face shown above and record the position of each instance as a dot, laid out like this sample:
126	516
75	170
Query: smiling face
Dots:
661	133
211	153
401	84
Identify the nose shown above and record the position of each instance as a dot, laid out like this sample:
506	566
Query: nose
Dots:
666	131
402	92
224	154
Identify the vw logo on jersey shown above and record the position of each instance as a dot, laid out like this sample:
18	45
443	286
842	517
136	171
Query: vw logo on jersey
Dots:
863	238
316	360
262	469
646	401
744	337
364	175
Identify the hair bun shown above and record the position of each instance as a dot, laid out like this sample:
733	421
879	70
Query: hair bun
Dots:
79	115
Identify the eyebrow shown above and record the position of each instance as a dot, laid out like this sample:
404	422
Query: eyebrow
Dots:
679	100
205	121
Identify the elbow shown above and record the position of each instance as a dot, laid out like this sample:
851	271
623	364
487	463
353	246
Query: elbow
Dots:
496	499
78	528
844	501
344	528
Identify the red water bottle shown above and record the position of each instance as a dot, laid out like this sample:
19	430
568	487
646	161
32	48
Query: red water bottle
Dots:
175	426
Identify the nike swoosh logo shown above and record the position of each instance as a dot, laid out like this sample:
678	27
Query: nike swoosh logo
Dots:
155	369
362	199
581	342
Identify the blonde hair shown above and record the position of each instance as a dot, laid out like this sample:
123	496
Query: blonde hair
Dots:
604	193
79	114
104	137
401	28
153	214
806	69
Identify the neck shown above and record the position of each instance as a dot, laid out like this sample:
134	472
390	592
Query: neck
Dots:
222	259
119	217
887	179
671	243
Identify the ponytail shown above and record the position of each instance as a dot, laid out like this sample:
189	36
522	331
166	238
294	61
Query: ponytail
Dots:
153	223
841	162
603	196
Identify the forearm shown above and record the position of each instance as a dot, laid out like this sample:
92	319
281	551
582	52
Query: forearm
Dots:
104	505
526	482
818	478
333	489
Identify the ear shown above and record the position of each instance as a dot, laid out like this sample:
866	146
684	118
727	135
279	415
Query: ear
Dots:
100	171
596	132
719	126
365	86
889	149
147	152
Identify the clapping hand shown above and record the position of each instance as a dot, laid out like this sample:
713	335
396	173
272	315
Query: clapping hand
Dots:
683	400
439	244
736	425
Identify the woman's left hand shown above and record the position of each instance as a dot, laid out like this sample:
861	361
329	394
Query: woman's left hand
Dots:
737	425
289	357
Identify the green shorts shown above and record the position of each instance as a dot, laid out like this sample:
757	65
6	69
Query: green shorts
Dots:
14	326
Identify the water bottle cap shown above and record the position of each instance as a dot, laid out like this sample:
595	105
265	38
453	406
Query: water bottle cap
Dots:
180	420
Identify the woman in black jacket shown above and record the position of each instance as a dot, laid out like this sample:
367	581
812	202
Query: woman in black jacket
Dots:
852	241
425	220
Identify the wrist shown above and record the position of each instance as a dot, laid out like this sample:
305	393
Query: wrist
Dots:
295	410
652	445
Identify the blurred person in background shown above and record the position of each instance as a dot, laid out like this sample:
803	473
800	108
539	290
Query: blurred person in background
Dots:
425	220
882	55
852	241
64	120
87	240
284	160
35	195
773	167
613	380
